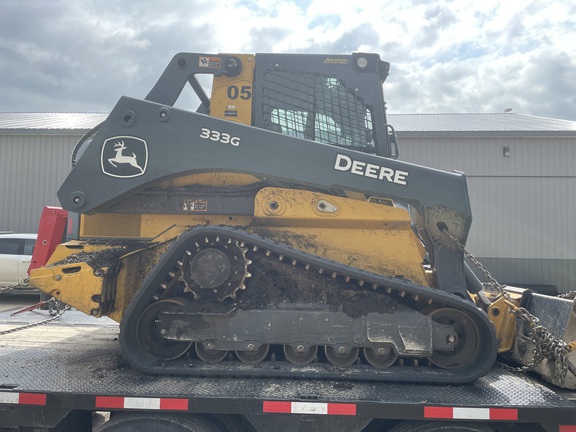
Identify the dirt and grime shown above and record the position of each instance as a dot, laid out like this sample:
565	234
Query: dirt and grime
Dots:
273	283
101	258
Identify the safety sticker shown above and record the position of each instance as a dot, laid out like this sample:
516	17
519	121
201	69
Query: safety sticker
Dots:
200	205
209	62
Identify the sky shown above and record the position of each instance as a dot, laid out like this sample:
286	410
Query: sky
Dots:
446	56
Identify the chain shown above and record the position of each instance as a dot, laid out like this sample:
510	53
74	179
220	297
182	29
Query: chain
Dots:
478	265
53	310
545	344
8	288
22	283
570	295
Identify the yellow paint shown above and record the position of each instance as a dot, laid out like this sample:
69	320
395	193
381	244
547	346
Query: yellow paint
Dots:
500	312
82	286
373	237
74	284
214	179
134	269
158	227
231	97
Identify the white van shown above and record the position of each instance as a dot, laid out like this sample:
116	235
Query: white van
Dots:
15	256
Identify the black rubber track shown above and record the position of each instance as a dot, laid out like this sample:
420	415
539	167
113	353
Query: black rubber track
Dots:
138	358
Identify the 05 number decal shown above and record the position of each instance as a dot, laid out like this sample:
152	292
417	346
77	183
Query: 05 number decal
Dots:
245	92
223	137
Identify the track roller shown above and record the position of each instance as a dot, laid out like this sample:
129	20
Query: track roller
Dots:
209	355
299	355
341	356
253	355
381	357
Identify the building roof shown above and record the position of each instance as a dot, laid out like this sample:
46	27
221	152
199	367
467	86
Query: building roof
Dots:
450	124
479	122
484	124
49	121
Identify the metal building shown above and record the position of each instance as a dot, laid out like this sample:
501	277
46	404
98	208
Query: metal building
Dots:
521	174
35	151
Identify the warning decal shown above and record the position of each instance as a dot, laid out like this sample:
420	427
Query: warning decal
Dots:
209	62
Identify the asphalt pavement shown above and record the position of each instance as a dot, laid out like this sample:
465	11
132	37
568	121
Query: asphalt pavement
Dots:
14	301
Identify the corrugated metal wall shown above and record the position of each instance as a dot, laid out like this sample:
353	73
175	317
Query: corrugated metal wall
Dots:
522	205
32	167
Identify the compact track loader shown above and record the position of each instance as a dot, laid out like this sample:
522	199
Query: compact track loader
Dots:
272	232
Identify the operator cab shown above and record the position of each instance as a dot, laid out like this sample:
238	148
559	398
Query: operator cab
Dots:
332	100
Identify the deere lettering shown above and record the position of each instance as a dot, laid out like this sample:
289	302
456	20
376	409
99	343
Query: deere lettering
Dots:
346	163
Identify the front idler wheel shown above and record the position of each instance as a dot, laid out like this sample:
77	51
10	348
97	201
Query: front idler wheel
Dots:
464	341
149	334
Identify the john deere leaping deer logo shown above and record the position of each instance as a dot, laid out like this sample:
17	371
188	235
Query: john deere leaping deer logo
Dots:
124	157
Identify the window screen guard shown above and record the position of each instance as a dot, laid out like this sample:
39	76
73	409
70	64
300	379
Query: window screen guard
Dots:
317	107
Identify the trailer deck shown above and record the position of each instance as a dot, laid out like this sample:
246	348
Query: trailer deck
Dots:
74	363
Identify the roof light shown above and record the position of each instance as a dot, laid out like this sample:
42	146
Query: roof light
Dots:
362	62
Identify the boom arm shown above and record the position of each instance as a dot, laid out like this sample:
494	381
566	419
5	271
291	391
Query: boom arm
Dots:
176	142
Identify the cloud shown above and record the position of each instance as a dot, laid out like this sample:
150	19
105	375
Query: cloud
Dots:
266	38
438	20
461	56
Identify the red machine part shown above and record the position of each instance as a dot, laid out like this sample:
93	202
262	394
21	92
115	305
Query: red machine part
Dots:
51	232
